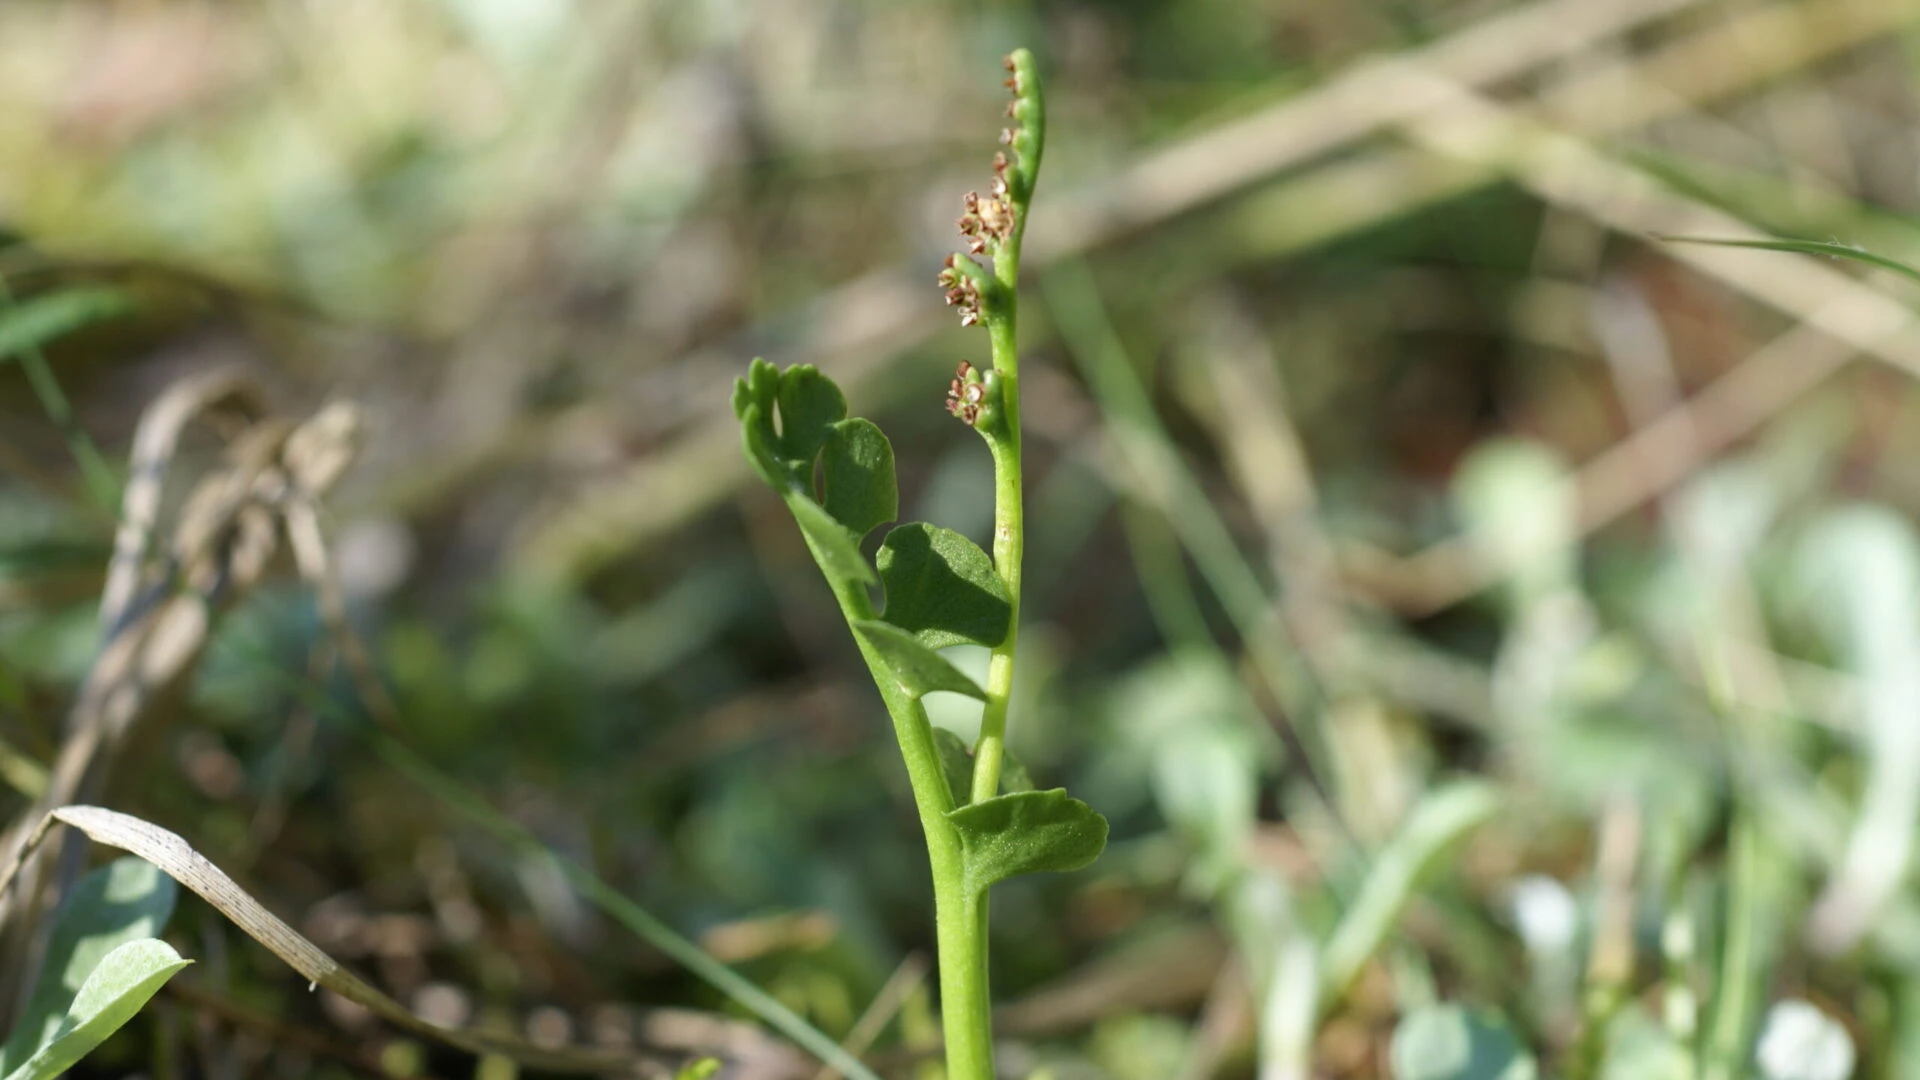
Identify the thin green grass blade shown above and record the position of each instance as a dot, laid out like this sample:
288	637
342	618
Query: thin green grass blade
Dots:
629	914
1807	247
602	895
24	328
1440	820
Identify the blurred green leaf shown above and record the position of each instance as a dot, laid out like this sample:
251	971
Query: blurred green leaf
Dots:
703	1069
1518	506
121	902
33	323
942	588
1439	821
1025	832
918	670
857	480
114	991
1446	1042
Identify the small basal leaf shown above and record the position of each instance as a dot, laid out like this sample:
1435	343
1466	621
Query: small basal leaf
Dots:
1025	832
124	901
942	588
834	548
918	670
1446	1042
120	984
810	404
857	476
956	763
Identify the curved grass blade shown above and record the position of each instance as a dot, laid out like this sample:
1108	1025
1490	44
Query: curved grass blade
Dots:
1807	247
177	858
1440	820
24	328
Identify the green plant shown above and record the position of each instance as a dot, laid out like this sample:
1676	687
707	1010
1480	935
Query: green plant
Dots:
836	475
102	964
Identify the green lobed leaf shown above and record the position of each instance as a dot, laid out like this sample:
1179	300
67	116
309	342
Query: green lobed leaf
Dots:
119	985
856	467
834	548
756	435
942	588
956	763
1446	1042
918	670
124	901
805	404
810	404
1025	832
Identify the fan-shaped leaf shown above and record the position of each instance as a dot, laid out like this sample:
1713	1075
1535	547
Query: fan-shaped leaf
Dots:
942	588
919	670
810	404
1026	832
1446	1042
856	470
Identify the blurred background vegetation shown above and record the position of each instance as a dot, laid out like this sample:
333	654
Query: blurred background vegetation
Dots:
1410	525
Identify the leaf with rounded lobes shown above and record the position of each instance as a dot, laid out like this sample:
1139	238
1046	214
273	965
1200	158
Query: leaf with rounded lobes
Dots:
1026	832
917	669
122	982
856	469
806	403
757	436
810	404
1446	1042
956	763
834	548
942	588
126	900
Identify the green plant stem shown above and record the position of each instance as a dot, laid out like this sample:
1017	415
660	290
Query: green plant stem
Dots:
1009	518
959	914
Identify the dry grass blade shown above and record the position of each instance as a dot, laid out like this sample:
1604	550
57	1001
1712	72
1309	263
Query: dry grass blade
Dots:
164	590
180	861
